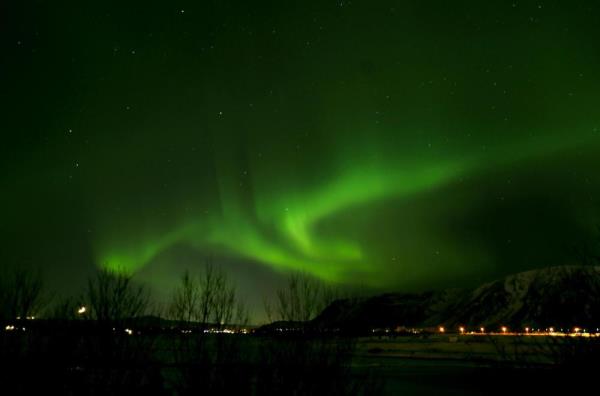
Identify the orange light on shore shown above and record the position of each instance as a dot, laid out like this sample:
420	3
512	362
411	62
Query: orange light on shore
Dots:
518	330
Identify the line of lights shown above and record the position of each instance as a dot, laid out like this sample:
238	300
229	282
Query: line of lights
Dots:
504	330
13	328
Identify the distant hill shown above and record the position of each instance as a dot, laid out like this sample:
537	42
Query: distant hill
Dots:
556	296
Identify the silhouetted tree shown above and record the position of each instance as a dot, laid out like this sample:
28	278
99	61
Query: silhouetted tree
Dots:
113	296
21	294
301	299
118	357
207	299
185	300
208	363
66	309
292	362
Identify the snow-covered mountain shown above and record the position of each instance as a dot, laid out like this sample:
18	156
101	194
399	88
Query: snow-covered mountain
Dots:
557	296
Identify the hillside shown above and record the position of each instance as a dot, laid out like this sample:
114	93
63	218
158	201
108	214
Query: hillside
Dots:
556	296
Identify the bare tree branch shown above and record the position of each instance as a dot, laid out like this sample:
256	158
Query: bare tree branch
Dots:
21	294
113	296
209	299
301	299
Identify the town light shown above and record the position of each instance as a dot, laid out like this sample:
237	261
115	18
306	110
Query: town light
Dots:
504	329
482	329
442	329
82	310
462	329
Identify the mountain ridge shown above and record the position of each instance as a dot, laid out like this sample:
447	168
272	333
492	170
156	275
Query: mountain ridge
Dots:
562	296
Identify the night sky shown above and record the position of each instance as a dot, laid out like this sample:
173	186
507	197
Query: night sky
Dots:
384	145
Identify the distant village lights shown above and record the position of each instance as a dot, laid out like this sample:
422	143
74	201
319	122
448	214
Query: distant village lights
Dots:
501	331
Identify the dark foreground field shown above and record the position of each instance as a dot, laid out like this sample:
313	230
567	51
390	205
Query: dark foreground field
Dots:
479	365
120	363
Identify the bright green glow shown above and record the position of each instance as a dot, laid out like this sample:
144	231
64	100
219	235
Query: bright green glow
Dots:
295	218
414	145
130	258
282	230
285	238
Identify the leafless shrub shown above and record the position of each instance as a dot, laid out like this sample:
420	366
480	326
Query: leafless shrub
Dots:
301	299
185	300
113	296
207	299
65	309
116	358
206	362
307	362
21	294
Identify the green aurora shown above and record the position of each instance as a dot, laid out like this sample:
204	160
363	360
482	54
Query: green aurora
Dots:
280	230
390	145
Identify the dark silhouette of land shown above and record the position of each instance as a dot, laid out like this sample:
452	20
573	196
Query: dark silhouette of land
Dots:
111	340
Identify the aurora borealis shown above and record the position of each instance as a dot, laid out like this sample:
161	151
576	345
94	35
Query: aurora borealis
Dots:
391	145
